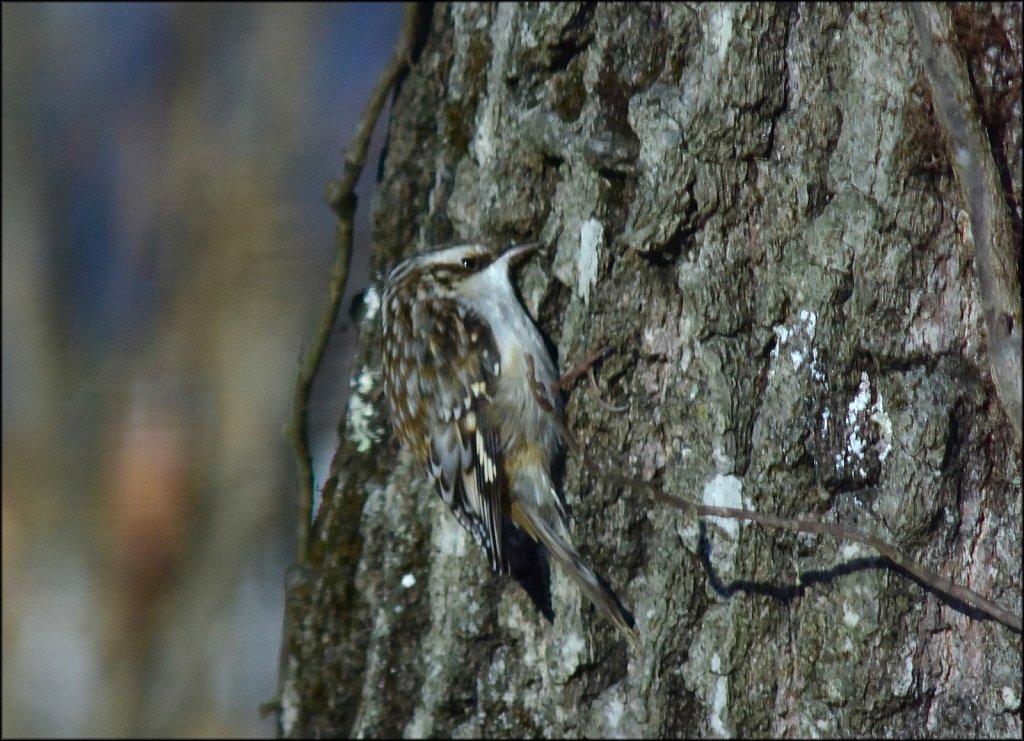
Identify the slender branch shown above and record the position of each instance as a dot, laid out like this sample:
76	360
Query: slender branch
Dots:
340	196
994	256
939	583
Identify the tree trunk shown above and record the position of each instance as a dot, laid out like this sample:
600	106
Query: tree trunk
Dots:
754	206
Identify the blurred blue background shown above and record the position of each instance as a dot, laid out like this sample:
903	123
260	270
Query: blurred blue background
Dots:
165	258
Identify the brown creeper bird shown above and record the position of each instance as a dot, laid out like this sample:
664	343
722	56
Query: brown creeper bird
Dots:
455	347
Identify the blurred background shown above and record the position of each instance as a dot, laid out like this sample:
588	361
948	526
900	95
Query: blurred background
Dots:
165	257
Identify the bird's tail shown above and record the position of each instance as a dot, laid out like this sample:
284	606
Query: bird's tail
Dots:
562	551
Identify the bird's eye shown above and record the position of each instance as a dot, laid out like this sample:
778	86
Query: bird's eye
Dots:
469	263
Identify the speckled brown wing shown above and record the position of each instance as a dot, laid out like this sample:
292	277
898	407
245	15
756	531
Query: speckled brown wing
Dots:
440	366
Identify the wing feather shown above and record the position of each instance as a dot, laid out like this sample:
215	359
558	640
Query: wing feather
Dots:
465	451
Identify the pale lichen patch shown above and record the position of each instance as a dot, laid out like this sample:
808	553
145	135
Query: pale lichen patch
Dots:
361	411
724	491
591	235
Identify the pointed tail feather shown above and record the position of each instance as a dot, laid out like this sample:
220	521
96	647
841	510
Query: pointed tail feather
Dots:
563	552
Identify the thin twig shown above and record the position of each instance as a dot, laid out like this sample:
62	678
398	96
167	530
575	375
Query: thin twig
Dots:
340	196
939	583
971	155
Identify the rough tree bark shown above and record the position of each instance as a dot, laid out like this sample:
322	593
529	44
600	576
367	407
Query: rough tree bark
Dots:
754	206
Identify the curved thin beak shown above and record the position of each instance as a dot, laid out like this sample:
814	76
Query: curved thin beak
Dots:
515	252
